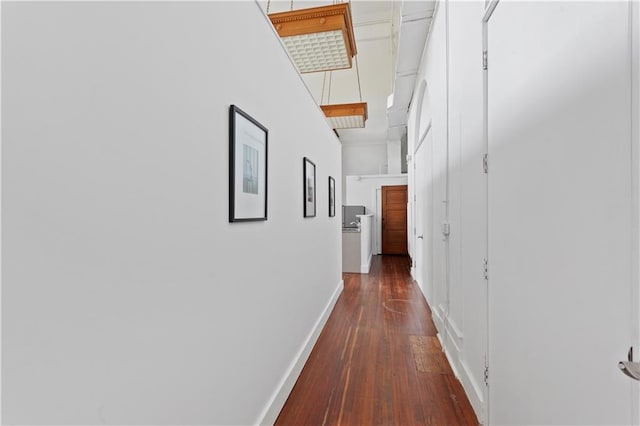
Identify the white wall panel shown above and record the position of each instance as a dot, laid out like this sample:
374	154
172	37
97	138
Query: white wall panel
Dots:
468	194
435	74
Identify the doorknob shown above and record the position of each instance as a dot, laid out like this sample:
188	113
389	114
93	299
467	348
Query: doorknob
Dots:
421	237
630	368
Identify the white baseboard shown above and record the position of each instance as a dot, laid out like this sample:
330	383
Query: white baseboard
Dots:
451	340
471	387
473	390
447	327
437	319
455	334
452	358
364	268
452	344
273	407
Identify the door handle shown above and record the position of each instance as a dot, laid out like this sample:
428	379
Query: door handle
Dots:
630	368
421	237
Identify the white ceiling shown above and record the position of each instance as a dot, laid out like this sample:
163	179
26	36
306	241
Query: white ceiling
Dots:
390	37
376	26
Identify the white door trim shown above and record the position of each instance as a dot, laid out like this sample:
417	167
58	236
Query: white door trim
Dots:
490	8
488	11
634	34
423	137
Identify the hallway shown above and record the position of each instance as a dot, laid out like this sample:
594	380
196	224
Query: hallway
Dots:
378	360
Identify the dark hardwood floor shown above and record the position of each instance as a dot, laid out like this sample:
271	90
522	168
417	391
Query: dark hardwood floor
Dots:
378	360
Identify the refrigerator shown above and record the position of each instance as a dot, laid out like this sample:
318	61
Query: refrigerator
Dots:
349	213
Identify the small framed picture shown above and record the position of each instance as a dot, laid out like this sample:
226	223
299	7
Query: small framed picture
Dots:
309	178
332	197
248	149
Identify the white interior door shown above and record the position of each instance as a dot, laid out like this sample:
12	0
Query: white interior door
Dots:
424	220
635	158
560	212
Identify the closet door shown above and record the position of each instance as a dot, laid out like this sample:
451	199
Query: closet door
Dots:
560	212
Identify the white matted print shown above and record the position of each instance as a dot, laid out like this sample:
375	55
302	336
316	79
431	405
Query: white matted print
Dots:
309	181
332	197
248	141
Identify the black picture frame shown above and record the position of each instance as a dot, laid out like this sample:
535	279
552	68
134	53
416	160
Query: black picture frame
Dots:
332	197
248	167
309	187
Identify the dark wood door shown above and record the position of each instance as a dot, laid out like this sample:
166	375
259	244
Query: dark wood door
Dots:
394	219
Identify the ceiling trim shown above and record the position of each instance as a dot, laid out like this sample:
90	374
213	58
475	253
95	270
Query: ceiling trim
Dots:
372	22
360	40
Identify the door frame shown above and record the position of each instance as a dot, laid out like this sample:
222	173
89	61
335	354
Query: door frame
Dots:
421	271
634	34
382	215
490	7
378	244
419	138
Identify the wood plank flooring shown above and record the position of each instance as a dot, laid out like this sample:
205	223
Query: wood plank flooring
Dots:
378	360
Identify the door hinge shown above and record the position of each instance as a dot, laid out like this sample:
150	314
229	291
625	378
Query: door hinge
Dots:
486	269
485	163
485	60
446	229
486	376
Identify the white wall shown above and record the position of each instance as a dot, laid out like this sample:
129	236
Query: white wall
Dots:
394	163
468	196
434	71
366	242
361	191
557	199
452	188
364	159
128	298
403	153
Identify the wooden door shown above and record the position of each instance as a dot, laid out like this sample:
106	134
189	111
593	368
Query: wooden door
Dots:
394	219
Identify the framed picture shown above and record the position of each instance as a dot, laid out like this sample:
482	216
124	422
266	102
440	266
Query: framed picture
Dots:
309	178
248	148
332	197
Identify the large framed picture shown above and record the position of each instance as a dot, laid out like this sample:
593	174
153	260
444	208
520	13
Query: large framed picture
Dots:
309	178
248	149
332	197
